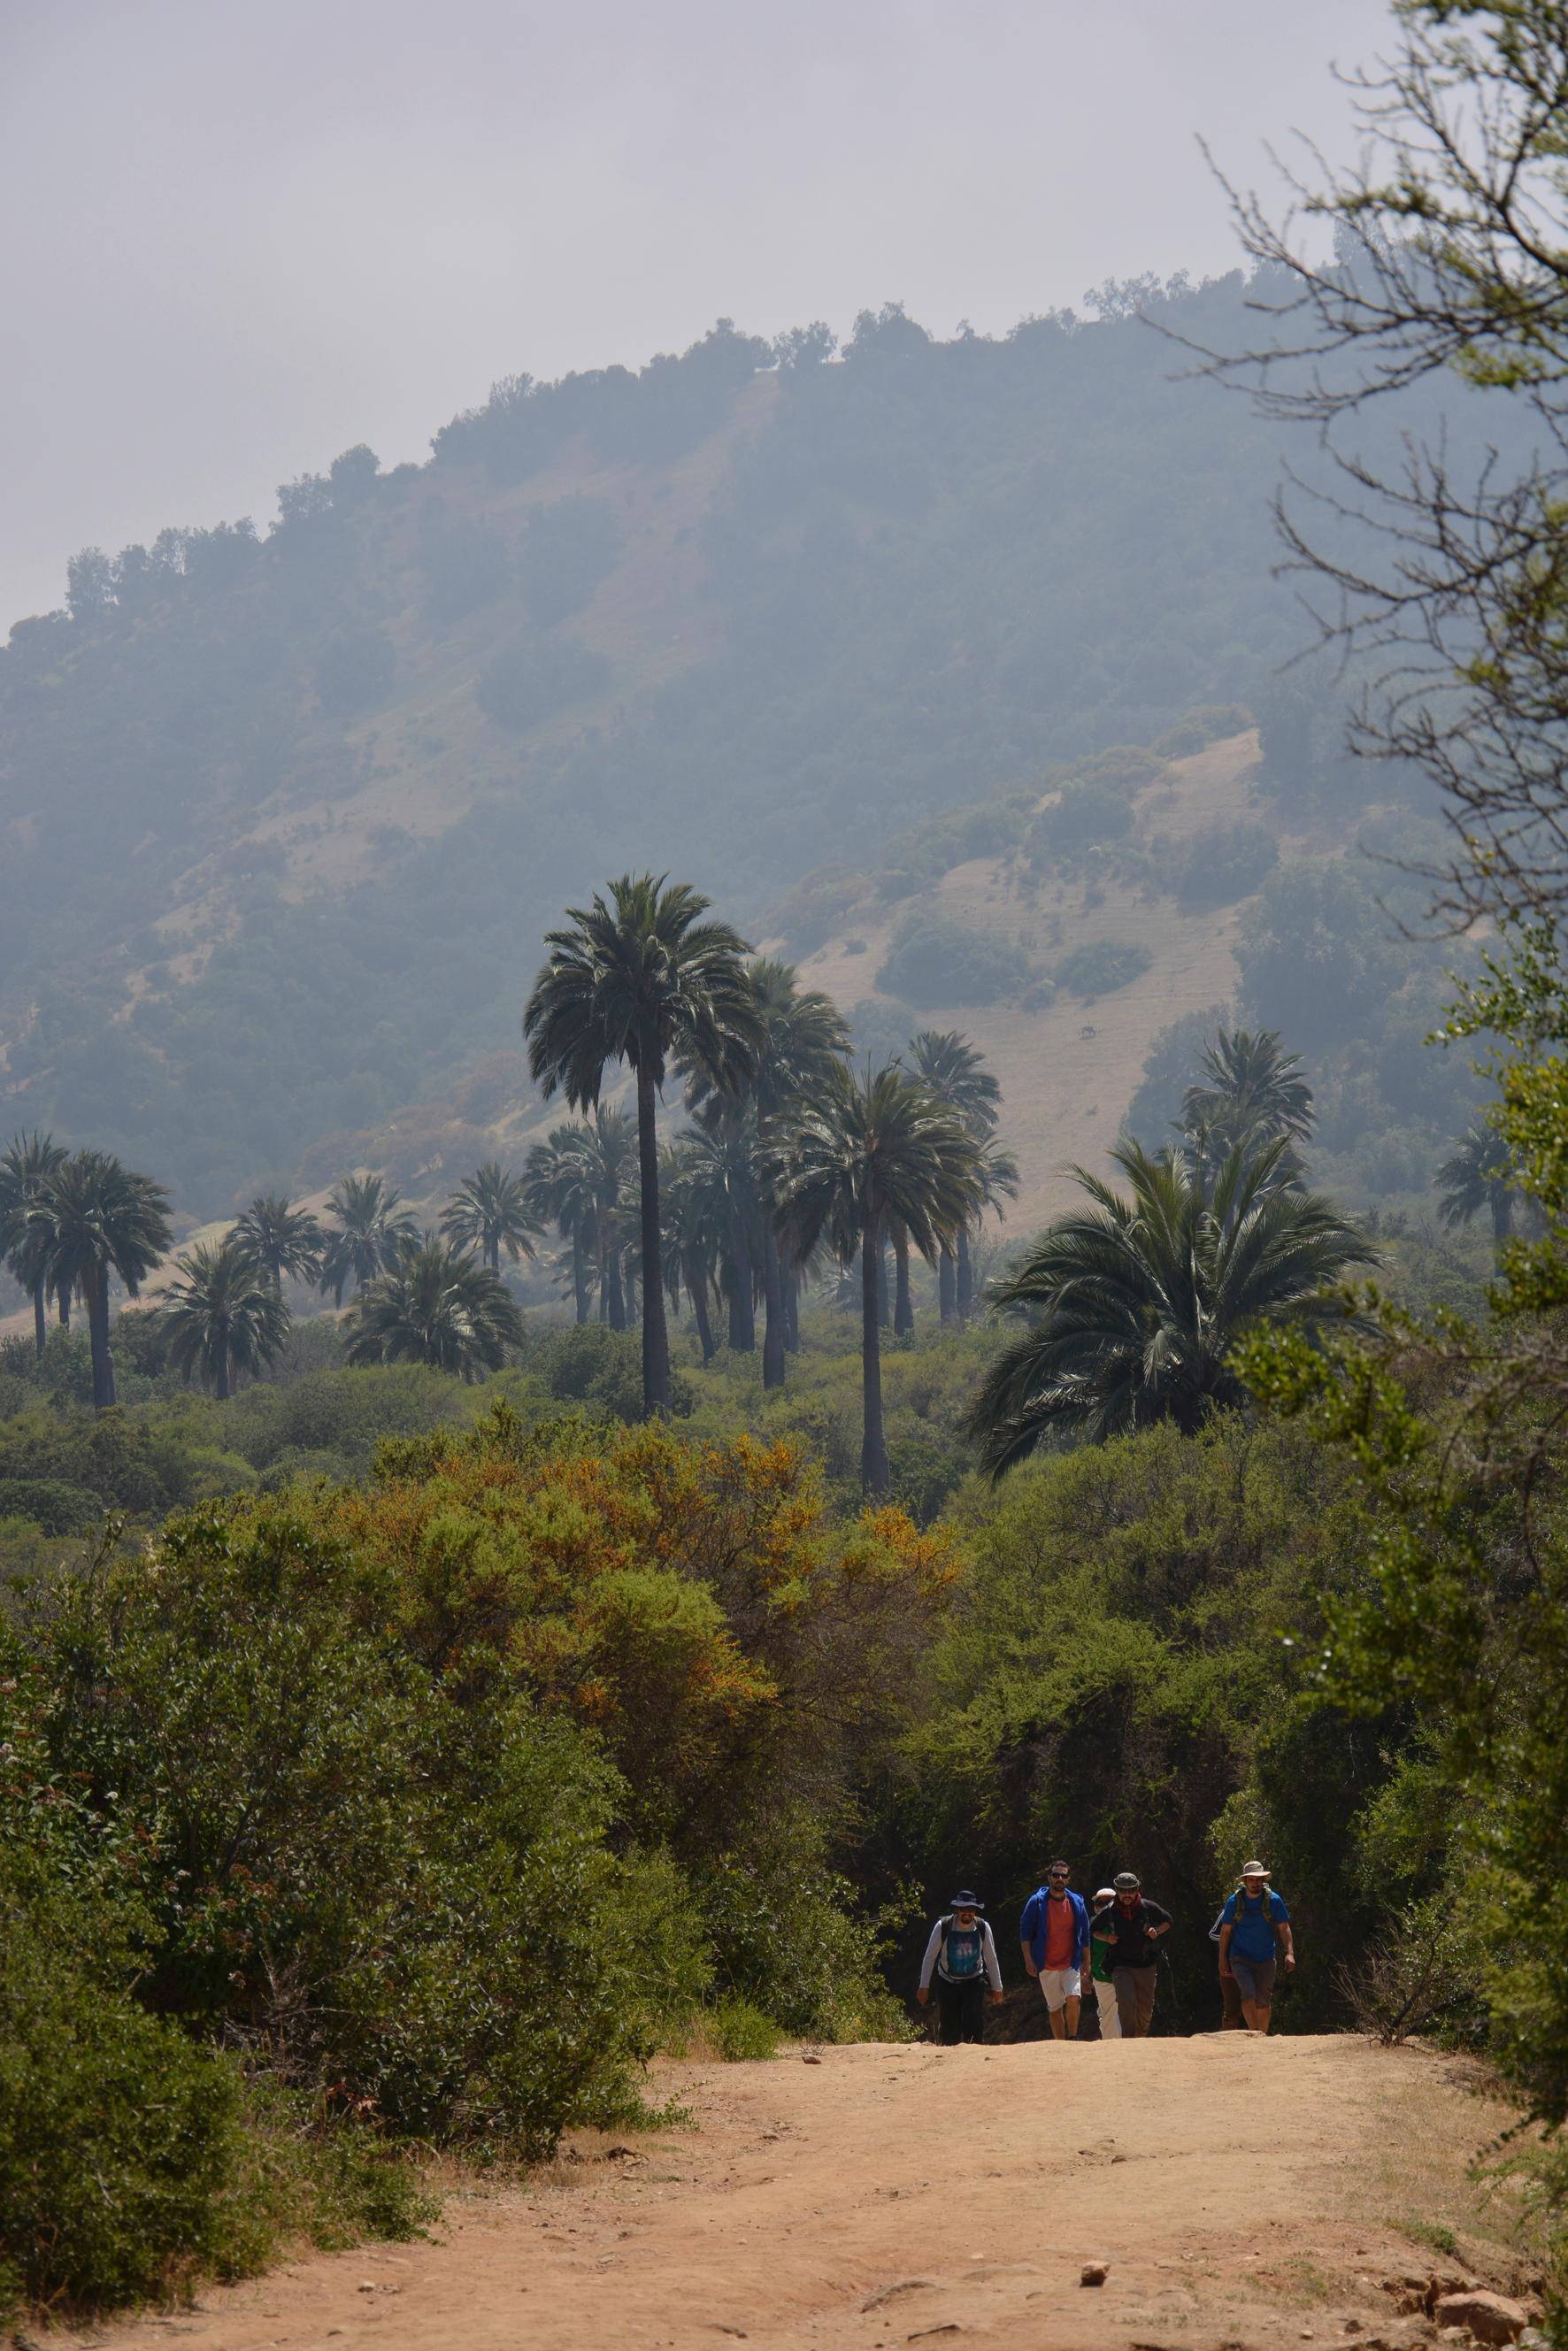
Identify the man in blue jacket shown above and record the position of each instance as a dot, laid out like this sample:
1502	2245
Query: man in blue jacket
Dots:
1054	1932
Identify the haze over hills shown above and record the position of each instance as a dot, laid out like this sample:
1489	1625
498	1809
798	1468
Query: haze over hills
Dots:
287	815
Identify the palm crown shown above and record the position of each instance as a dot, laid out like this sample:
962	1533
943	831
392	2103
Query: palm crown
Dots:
1253	1091
280	1238
1478	1173
93	1217
489	1212
222	1314
436	1305
1137	1301
25	1169
373	1231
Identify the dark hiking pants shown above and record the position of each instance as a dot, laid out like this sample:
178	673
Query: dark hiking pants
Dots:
962	2010
1135	2000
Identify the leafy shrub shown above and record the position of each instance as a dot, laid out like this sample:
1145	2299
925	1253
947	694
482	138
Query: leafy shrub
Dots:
934	962
355	670
744	2033
788	1941
1088	814
882	1028
57	1508
464	560
1102	964
567	548
524	684
591	1364
1222	863
1212	722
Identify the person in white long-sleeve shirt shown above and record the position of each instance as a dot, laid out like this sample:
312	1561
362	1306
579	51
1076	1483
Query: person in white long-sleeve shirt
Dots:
962	1957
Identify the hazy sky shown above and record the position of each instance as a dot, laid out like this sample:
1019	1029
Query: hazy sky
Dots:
242	235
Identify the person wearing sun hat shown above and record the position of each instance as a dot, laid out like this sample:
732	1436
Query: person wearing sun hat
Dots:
962	1953
1255	1939
1133	1928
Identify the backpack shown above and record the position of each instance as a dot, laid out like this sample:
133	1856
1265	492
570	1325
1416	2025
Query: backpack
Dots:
962	1954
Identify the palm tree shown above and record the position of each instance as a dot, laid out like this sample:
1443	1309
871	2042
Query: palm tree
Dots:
557	1188
1137	1303
955	1071
607	1143
643	979
435	1304
1255	1094
691	1243
280	1238
869	1148
725	1199
1478	1174
804	1037
372	1232
95	1217
489	1212
222	1314
25	1169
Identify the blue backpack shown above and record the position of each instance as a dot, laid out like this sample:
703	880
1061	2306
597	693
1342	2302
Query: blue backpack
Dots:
962	1955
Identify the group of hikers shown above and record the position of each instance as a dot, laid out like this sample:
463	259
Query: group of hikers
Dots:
1117	1946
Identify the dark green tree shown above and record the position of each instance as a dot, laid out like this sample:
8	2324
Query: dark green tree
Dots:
98	1220
372	1230
640	977
489	1212
435	1304
25	1169
222	1315
280	1238
870	1148
1137	1301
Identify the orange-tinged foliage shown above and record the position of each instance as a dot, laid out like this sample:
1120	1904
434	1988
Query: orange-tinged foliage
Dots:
691	1603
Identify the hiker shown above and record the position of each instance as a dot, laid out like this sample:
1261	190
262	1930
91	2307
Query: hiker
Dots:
1054	1932
1100	1973
1254	1939
964	1955
1133	1927
1232	2018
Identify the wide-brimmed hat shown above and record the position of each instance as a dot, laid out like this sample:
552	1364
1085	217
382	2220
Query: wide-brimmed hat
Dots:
1127	1881
1104	1894
1255	1869
965	1900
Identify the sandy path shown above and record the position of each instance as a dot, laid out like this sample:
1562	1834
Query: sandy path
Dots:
889	2195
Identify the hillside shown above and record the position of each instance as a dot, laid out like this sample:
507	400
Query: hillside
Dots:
286	816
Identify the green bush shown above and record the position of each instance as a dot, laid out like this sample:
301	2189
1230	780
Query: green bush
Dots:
743	2033
932	962
1104	965
524	684
1222	863
51	1504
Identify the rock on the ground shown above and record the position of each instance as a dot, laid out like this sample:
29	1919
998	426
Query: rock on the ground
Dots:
1094	2273
1491	2317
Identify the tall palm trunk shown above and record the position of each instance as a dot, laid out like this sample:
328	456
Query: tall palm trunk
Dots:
579	1273
963	1288
947	1284
63	1303
222	1368
655	1334
903	1305
616	1310
773	1340
96	1285
742	1313
883	1303
791	1310
696	1288
874	1443
40	1326
1501	1205
493	1253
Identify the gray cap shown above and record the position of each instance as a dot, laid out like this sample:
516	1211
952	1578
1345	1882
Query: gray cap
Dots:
1127	1881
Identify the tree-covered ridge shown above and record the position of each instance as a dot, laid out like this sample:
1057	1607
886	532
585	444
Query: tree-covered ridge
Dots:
281	808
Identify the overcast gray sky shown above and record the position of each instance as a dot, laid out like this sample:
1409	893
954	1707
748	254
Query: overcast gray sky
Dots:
242	235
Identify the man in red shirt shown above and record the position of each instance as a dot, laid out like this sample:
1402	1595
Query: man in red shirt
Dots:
1054	1932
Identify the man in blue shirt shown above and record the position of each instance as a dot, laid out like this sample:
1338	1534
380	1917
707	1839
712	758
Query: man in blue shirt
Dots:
1054	1932
1254	1938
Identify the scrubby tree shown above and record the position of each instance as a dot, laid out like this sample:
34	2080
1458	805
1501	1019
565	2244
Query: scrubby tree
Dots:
222	1315
489	1212
873	1147
280	1238
97	1219
435	1304
640	977
1135	1303
373	1229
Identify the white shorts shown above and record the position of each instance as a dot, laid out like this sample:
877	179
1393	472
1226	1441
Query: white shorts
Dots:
1059	1985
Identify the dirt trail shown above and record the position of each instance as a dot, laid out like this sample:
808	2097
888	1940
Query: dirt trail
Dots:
891	2195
